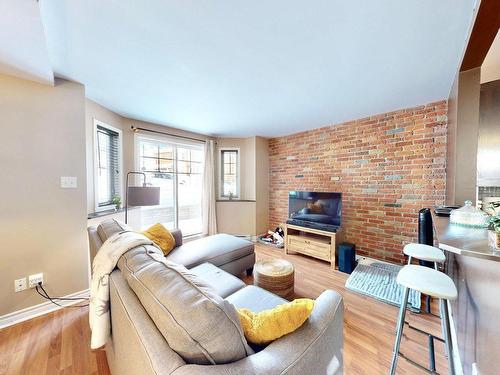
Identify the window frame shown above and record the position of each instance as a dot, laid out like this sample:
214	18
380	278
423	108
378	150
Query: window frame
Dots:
98	123
175	175
221	175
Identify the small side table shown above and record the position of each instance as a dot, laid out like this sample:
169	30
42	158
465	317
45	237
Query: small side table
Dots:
276	276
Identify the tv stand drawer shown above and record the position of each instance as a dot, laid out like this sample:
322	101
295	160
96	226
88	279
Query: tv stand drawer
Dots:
309	246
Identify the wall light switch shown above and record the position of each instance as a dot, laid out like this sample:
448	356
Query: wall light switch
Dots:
68	182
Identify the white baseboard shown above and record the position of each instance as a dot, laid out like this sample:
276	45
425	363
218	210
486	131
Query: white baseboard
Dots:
38	310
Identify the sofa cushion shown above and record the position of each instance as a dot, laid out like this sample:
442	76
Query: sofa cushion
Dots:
266	326
109	227
198	324
218	249
255	299
220	281
161	236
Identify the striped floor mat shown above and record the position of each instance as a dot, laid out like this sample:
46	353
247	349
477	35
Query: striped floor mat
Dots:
378	280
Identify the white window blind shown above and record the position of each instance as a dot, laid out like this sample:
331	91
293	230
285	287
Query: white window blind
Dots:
108	168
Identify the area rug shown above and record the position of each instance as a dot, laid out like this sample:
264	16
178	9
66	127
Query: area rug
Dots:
378	280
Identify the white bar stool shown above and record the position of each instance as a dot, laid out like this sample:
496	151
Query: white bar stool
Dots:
435	284
424	252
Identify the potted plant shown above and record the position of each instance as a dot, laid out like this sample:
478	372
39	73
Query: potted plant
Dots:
494	232
117	201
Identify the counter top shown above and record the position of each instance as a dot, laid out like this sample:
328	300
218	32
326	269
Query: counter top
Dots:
466	241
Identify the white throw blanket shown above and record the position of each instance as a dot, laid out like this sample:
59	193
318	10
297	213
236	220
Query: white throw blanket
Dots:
104	263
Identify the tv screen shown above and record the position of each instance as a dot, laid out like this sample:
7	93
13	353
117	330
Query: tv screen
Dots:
315	209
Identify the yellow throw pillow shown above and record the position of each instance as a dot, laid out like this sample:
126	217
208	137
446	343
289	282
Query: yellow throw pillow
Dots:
161	236
268	325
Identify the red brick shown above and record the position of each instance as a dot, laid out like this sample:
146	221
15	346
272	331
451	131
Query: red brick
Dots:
417	154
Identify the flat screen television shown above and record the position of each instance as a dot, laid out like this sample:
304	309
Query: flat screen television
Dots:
315	210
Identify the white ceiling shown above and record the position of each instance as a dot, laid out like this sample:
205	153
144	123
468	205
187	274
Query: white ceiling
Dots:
240	68
23	51
490	69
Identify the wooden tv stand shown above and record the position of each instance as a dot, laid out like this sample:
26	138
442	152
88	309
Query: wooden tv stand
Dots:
316	243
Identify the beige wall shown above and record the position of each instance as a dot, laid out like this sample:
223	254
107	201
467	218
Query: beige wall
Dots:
236	217
42	225
262	184
451	136
250	217
463	128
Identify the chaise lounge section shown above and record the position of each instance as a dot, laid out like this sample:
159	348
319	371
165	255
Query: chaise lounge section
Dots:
229	253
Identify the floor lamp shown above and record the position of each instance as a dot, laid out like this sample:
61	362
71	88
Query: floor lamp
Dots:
140	195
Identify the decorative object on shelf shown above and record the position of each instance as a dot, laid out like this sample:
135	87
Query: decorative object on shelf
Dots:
276	276
494	232
117	201
469	216
140	195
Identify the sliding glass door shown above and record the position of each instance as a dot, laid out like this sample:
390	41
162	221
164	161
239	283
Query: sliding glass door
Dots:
177	168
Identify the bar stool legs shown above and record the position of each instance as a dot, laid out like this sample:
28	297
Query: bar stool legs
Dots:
399	332
437	285
445	322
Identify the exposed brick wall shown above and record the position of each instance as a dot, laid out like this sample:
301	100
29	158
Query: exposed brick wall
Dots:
386	166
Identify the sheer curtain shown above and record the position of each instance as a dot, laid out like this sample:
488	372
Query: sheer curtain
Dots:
208	202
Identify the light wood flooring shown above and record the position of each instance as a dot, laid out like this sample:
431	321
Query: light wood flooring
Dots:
58	343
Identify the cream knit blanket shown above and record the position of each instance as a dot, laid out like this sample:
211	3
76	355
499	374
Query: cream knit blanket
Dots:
104	263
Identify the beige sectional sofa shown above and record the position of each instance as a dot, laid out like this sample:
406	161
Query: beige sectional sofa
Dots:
158	305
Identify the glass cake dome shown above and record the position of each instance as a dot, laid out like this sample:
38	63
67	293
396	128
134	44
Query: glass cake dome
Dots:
469	216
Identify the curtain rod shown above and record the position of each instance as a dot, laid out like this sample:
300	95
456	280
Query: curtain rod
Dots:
136	129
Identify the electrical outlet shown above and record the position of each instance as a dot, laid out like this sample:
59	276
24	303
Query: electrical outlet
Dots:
20	285
35	279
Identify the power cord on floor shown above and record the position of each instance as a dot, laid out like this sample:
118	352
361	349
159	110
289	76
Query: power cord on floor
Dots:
52	299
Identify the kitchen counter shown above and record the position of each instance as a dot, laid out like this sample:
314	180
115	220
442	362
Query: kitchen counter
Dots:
465	241
474	267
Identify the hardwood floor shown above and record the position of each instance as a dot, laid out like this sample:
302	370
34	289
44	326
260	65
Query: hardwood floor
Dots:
58	343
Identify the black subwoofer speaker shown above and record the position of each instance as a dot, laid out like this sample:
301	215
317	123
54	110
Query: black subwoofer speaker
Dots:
347	257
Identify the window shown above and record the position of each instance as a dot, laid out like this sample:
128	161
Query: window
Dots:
107	165
229	172
177	169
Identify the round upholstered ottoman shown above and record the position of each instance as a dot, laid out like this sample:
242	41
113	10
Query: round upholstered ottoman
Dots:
276	276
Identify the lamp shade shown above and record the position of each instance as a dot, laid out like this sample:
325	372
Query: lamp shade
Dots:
143	196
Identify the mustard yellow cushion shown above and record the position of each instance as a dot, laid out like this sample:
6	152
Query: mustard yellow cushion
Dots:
268	325
161	236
